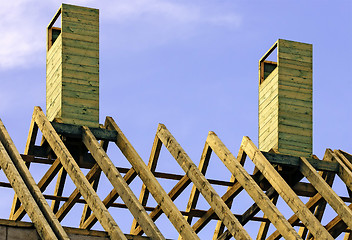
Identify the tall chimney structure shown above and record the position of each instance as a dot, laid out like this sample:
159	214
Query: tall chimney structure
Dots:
72	67
285	99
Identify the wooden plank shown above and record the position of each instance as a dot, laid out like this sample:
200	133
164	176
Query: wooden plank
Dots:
75	195
85	45
86	210
81	60
74	131
152	163
30	183
311	204
76	51
152	184
59	188
294	57
120	185
194	195
77	176
79	68
75	93
326	191
42	184
247	182
109	200
43	228
31	138
80	14
296	51
284	190
75	27
294	44
204	187
81	78
173	194
264	226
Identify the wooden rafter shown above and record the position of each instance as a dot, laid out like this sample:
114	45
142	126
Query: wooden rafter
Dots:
250	186
287	194
27	191
204	187
152	184
77	176
120	185
153	160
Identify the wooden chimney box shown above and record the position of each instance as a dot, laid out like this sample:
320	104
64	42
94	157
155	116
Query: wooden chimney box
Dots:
285	99
72	67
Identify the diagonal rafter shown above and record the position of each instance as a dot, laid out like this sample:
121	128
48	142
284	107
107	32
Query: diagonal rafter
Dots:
28	192
219	229
203	165
153	160
73	170
109	200
326	191
284	190
336	226
198	179
120	185
248	183
154	187
32	135
42	184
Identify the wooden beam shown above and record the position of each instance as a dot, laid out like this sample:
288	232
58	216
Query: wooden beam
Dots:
42	184
173	194
251	186
203	165
154	187
73	170
219	229
153	160
59	188
75	131
326	191
336	226
109	200
43	228
264	226
318	211
293	161
311	204
86	210
284	190
75	195
32	135
20	172
120	185
204	187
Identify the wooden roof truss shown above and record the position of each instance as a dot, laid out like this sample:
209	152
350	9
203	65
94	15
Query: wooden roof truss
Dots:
69	148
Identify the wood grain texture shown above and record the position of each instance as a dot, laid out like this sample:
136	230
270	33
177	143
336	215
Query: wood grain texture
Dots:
76	53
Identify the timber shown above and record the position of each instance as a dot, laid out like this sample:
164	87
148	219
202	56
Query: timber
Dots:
73	141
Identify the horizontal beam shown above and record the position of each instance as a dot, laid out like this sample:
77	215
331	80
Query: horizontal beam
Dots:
319	165
75	131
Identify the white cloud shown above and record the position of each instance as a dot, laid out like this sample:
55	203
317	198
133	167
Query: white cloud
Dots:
23	22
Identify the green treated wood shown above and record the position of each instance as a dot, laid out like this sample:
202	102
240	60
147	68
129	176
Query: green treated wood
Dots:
72	62
285	118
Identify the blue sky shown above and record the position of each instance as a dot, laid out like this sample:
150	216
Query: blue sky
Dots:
192	65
